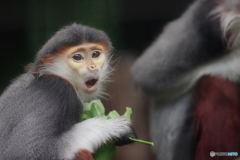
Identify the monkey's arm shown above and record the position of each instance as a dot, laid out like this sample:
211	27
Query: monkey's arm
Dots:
92	133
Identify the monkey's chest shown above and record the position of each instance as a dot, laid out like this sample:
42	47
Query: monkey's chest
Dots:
217	116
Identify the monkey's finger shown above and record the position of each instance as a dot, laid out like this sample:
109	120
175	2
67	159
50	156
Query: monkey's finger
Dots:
124	140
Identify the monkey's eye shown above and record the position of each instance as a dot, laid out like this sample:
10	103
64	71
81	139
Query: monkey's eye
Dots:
96	54
77	57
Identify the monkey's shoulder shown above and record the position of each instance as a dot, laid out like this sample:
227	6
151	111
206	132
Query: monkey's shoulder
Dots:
17	85
52	84
44	90
44	97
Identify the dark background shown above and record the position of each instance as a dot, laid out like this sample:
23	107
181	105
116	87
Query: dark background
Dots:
132	25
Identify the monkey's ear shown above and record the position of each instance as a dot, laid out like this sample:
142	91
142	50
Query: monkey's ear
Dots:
228	14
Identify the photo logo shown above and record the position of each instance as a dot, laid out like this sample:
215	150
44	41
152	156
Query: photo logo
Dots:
213	154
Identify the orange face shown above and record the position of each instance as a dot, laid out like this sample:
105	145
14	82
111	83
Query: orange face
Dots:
88	60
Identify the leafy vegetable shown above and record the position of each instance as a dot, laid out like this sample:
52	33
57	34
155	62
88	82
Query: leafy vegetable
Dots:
96	109
107	152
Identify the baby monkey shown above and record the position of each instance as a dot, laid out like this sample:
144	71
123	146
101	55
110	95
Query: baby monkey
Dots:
41	109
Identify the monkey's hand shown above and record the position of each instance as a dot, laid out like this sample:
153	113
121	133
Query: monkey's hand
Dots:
107	151
125	139
92	133
96	109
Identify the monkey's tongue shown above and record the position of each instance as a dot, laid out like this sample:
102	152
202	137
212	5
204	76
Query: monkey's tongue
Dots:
91	82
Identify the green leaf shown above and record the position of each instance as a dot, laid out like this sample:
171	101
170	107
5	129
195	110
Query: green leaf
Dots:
106	152
99	103
93	109
128	113
97	110
85	117
86	106
113	114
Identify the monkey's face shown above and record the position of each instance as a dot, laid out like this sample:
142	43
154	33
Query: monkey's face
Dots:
87	60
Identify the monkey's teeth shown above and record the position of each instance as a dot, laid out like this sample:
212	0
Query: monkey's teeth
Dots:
91	82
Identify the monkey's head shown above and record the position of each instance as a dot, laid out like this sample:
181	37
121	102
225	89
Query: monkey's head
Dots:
80	55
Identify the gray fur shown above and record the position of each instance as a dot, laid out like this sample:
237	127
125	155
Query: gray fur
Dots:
17	140
188	42
230	4
168	123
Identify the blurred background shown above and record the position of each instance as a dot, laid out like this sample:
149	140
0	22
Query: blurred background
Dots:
132	26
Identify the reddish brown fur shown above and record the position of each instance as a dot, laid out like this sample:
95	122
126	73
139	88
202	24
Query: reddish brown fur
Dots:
217	120
49	58
84	155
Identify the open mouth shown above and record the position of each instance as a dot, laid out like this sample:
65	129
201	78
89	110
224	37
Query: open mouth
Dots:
91	82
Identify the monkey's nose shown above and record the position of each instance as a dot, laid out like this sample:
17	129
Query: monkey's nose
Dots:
92	67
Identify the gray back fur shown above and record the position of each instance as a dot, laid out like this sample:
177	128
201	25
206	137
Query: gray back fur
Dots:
18	125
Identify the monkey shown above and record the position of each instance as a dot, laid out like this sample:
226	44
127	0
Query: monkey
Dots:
40	110
191	72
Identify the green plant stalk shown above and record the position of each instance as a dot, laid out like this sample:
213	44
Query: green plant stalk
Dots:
142	141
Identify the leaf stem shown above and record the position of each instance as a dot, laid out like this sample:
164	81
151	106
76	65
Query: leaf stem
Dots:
141	141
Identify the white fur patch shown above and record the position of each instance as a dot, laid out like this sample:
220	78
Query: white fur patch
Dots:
230	25
91	134
226	67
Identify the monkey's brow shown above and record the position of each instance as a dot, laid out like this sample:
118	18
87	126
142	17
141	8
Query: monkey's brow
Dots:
97	47
85	48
